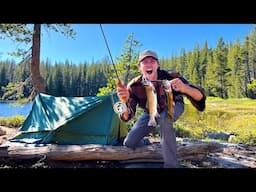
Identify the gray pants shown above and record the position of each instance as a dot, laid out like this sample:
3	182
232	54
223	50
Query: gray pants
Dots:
167	132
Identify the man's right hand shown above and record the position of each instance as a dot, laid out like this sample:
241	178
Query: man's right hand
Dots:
122	92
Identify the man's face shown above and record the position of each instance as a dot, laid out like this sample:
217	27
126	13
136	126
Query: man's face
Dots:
148	68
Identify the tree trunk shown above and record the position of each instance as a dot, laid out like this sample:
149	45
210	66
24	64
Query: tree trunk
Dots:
101	152
38	81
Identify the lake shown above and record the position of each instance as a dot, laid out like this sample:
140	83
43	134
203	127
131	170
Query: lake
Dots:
9	109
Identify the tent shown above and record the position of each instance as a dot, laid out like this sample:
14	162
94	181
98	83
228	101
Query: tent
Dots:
72	120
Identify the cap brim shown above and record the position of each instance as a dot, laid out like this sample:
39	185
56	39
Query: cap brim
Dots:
147	56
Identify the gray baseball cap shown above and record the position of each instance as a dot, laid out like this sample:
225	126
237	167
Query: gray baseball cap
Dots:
147	53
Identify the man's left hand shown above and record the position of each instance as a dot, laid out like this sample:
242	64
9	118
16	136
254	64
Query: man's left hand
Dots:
178	85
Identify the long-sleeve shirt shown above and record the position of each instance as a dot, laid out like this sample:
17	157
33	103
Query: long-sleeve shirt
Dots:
138	94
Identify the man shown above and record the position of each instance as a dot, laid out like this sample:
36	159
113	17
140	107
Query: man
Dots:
135	94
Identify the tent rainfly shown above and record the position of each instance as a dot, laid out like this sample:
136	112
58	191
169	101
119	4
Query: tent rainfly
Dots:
72	120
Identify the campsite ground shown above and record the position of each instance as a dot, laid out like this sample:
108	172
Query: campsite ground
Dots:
6	132
234	157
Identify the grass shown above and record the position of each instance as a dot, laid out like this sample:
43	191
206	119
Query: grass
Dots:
233	116
15	121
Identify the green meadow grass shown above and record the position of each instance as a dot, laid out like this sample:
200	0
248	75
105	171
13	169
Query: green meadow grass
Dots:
233	116
15	121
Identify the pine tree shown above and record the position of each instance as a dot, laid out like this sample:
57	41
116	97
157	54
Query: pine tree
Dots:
126	66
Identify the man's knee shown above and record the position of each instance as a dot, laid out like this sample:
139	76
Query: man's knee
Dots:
178	110
128	143
133	144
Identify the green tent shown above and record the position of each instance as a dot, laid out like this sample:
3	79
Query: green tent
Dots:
72	120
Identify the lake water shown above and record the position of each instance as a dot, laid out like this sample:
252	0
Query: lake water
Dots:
9	110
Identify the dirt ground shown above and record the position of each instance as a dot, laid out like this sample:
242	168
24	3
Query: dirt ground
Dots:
6	133
238	157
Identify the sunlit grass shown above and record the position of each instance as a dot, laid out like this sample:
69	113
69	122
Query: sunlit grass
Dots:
233	116
15	121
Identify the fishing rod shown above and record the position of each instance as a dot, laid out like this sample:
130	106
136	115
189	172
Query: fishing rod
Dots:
105	39
119	107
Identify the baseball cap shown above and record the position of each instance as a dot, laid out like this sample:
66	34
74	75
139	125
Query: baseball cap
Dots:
147	53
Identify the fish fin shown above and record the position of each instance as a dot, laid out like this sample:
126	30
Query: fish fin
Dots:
157	115
170	116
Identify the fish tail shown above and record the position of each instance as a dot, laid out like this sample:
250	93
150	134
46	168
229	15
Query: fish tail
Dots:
170	105
170	116
152	122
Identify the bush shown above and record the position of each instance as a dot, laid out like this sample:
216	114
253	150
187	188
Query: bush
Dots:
15	121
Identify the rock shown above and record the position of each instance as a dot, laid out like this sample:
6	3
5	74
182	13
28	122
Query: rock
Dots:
218	135
2	132
232	138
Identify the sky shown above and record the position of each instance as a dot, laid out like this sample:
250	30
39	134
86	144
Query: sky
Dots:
165	39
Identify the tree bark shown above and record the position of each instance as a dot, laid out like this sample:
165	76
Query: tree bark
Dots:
101	152
38	81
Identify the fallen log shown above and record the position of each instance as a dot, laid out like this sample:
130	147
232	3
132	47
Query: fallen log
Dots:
101	152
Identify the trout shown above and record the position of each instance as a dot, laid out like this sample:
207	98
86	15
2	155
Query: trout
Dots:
169	98
151	101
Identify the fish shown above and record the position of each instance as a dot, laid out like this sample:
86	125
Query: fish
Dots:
169	98
151	102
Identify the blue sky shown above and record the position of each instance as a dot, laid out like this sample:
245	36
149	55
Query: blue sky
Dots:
165	39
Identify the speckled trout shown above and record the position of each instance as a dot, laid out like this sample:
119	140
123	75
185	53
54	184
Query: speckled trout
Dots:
169	98
151	101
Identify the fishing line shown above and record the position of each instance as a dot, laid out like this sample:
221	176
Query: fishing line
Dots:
109	51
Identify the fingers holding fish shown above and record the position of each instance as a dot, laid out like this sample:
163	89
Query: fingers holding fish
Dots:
177	85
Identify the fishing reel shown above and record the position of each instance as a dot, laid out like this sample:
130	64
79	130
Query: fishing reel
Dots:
119	107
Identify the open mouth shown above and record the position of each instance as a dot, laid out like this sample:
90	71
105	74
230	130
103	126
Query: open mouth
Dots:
149	71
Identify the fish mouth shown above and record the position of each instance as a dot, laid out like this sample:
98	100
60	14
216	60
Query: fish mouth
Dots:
145	81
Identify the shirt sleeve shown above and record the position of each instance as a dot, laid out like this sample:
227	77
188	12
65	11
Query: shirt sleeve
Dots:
199	105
